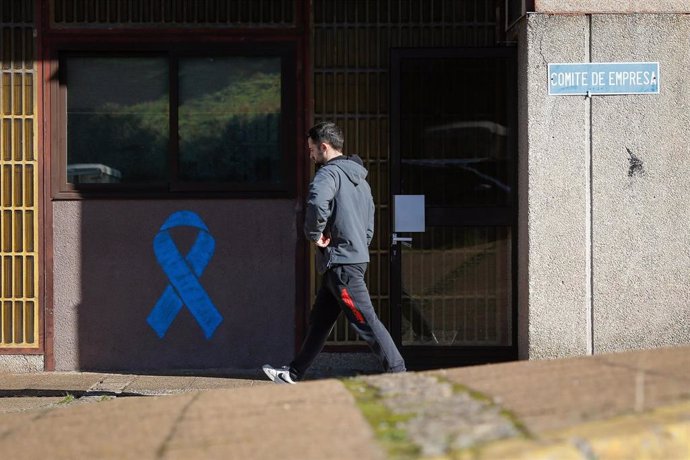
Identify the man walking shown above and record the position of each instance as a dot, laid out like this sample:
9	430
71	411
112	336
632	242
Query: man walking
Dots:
340	221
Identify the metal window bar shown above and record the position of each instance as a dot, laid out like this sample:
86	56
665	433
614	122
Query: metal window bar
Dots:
351	42
19	307
188	13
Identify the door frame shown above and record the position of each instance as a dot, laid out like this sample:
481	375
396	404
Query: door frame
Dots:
429	357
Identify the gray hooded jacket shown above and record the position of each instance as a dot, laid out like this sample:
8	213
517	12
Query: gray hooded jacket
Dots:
340	205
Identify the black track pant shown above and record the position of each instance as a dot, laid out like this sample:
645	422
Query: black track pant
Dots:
343	289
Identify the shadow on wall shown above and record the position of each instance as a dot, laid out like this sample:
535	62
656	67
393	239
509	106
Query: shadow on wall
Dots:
250	286
107	278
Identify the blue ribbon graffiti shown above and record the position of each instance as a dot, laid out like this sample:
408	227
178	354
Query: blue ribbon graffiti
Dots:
184	274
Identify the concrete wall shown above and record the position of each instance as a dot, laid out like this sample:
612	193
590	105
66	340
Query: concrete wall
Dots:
605	260
107	280
640	217
21	363
554	175
612	6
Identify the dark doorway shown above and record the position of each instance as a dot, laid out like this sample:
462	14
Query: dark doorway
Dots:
453	140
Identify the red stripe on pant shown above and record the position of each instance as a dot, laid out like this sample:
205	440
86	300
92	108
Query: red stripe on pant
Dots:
351	305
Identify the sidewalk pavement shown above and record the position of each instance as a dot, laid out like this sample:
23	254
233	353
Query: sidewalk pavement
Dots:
618	406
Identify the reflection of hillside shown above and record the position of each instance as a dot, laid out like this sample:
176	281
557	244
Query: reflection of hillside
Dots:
206	115
261	93
131	142
227	133
151	116
232	134
200	77
456	294
457	272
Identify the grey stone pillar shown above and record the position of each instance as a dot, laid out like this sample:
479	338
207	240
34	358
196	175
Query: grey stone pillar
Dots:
604	190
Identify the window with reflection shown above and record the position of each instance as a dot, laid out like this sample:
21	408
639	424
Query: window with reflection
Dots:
456	287
454	144
171	122
117	119
229	119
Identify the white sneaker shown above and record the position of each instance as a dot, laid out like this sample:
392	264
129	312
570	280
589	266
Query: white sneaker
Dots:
280	375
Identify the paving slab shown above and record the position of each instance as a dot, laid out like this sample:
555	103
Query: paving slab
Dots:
606	406
663	433
112	383
48	383
120	428
553	394
80	383
21	404
9	422
151	385
314	420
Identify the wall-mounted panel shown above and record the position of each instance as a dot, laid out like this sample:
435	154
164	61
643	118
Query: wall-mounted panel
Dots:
110	274
19	303
351	45
171	13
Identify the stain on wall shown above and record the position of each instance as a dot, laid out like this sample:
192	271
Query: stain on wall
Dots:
636	165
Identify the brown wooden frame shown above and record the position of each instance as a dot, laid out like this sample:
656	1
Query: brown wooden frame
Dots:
419	357
43	345
48	40
87	24
174	187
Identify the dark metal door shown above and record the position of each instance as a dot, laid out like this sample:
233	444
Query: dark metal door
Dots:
453	140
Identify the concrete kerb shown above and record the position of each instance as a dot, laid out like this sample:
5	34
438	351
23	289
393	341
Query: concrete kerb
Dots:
663	433
81	384
588	407
633	403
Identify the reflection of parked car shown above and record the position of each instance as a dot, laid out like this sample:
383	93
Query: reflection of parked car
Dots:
464	163
458	182
470	165
92	173
492	127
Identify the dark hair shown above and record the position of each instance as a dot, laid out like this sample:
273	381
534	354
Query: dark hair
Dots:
329	133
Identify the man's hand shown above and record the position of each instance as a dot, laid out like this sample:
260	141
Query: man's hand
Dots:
323	241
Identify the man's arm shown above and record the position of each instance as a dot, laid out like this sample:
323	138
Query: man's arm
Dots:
319	205
370	222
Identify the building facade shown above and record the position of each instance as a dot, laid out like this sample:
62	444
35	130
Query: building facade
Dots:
154	171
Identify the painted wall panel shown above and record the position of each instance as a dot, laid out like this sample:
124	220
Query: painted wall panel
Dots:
604	192
554	171
107	280
611	6
641	192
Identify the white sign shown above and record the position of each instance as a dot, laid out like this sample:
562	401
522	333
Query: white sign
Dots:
567	79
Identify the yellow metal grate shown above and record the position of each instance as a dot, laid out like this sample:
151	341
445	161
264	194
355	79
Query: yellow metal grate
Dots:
206	13
19	308
351	44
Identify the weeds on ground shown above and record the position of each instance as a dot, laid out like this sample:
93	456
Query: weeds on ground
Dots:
67	399
479	396
386	424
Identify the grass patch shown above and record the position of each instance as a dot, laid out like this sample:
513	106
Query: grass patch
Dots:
385	423
479	396
474	452
67	399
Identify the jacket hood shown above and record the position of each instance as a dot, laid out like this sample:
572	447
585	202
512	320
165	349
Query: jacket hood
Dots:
352	166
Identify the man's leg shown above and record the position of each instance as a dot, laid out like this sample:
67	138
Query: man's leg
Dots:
355	301
323	316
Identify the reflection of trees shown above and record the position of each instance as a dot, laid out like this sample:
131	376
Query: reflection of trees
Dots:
232	134
133	143
227	132
242	151
452	283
